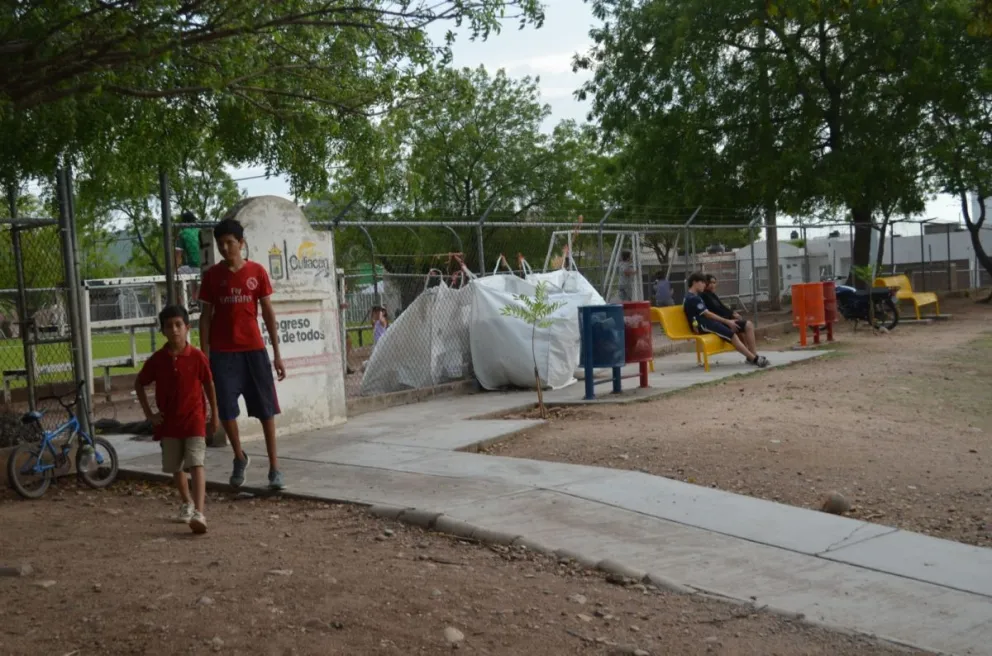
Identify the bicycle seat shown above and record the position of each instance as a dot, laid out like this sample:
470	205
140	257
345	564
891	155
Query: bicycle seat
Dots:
32	417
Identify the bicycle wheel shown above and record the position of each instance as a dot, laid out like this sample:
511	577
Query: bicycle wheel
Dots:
101	470
21	474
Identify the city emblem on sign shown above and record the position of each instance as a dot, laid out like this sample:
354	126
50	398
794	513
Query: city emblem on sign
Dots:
276	271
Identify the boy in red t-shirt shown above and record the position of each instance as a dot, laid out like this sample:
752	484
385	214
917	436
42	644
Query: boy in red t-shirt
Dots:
230	295
181	375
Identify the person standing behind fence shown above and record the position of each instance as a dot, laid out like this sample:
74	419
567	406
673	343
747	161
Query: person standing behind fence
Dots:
662	290
188	245
626	272
380	321
231	293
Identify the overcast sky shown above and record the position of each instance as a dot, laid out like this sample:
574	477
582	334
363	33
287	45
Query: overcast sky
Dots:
546	53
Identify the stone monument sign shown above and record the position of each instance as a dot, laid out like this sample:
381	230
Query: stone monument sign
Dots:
300	262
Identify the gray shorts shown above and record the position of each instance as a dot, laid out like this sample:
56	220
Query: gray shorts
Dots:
179	454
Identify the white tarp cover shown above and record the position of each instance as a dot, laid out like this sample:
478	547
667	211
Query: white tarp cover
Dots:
501	346
427	345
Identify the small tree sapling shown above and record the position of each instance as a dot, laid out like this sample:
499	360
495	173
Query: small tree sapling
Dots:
537	311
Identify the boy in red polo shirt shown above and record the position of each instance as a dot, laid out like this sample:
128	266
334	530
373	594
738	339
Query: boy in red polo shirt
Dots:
231	293
181	375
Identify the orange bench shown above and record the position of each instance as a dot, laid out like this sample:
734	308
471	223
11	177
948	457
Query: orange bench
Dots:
673	321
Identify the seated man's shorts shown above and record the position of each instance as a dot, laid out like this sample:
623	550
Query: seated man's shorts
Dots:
247	374
717	328
182	453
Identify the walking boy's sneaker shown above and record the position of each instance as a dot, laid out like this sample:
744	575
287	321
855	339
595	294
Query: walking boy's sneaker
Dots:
186	512
275	481
198	523
238	475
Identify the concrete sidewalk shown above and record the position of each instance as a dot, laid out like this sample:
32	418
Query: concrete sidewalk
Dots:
905	587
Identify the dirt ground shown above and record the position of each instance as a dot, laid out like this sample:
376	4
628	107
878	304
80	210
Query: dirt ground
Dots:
110	574
900	424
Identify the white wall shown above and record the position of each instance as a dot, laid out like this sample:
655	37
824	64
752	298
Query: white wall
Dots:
836	254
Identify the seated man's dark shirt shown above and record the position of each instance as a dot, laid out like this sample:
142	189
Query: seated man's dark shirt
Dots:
716	306
693	306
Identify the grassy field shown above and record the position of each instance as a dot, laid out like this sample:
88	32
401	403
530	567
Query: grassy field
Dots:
106	345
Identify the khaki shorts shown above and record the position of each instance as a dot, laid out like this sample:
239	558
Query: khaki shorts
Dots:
179	454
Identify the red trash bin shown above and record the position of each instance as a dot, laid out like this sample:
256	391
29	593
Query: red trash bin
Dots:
638	336
830	307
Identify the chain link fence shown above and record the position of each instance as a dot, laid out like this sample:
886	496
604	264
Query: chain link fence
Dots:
373	305
35	328
387	265
121	327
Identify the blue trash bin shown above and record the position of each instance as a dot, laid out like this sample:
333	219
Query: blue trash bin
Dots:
601	329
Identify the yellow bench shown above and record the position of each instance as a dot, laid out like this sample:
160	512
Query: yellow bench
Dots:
676	327
906	293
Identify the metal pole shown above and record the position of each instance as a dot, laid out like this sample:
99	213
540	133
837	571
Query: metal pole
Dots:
550	225
923	259
23	321
375	275
949	285
687	226
685	247
480	242
850	265
72	294
806	274
639	289
892	248
754	278
602	251
170	254
551	249
81	292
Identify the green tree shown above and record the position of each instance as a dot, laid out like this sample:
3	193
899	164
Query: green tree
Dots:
791	103
958	138
473	142
125	194
278	83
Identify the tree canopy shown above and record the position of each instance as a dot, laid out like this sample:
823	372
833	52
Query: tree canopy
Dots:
276	83
957	139
473	143
124	196
808	103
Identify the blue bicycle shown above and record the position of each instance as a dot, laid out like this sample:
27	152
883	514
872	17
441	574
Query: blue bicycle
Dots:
32	466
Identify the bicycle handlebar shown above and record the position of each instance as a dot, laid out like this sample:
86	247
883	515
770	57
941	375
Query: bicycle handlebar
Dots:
74	393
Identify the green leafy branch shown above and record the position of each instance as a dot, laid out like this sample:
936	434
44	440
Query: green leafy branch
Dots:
537	311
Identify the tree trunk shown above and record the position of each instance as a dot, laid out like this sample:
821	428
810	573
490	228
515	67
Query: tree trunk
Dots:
880	257
771	233
862	242
771	252
975	230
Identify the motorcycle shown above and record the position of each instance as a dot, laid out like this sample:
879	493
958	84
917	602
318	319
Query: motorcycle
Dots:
853	305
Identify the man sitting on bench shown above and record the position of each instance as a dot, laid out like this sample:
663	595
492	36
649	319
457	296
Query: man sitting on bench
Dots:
704	320
716	306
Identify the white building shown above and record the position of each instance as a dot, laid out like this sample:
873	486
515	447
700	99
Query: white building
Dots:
940	260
